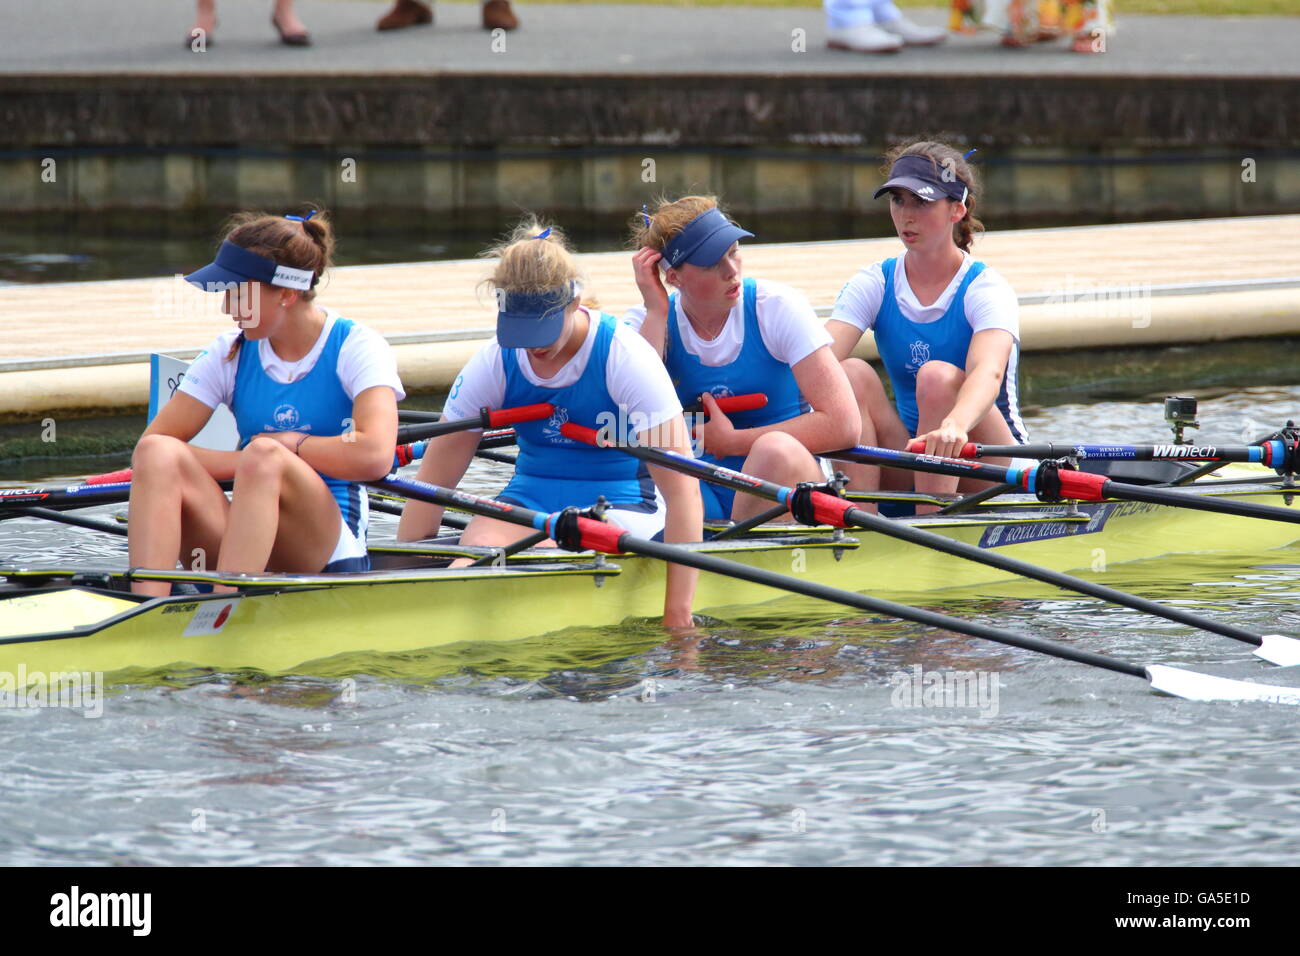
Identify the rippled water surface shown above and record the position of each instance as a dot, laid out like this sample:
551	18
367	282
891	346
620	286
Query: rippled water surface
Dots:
762	740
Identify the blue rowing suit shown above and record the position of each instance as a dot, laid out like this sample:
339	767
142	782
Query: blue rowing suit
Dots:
754	370
553	472
316	404
905	346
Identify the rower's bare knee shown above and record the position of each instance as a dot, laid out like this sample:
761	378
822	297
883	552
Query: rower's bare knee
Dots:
938	380
779	457
262	459
157	452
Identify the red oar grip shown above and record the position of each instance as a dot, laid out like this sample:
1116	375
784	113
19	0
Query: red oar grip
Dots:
742	403
917	446
524	413
1082	485
111	478
588	436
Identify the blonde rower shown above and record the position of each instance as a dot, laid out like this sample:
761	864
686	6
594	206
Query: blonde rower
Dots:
596	372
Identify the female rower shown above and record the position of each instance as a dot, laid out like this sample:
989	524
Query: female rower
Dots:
551	348
946	325
315	399
720	334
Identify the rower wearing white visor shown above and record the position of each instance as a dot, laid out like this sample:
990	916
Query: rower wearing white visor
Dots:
597	373
314	397
722	334
946	326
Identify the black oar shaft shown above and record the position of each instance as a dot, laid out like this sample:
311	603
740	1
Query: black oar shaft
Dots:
937	542
707	562
1068	582
93	524
1184	499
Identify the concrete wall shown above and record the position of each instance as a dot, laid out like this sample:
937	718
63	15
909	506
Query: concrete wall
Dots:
463	151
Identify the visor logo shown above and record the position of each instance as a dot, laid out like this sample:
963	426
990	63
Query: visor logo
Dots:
926	190
501	299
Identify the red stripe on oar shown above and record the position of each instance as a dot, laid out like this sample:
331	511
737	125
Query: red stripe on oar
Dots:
917	446
1082	485
109	479
524	413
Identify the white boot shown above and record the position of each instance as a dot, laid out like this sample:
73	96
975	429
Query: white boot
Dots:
864	38
913	34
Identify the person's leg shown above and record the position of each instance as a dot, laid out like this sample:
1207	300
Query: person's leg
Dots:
293	32
177	511
881	427
780	458
205	18
890	19
282	515
850	25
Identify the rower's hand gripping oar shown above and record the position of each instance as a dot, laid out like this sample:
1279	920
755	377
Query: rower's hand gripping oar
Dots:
575	532
414	450
811	505
1052	483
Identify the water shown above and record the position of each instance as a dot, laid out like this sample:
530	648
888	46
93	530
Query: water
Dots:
772	741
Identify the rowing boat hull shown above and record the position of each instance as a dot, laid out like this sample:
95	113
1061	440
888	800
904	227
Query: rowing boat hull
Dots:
338	625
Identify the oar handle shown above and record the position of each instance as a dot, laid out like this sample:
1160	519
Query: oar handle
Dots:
731	404
486	418
969	450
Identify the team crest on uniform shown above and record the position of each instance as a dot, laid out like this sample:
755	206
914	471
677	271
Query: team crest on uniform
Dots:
721	391
287	418
551	430
920	355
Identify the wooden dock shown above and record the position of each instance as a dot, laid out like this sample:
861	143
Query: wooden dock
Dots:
81	348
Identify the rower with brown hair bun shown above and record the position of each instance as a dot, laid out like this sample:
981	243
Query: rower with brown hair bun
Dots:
946	326
722	334
314	397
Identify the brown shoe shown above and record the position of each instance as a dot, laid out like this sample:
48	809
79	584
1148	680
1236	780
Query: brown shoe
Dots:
405	13
497	15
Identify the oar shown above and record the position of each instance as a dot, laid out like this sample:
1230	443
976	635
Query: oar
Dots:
822	508
1283	455
578	533
414	450
1052	483
115	486
728	403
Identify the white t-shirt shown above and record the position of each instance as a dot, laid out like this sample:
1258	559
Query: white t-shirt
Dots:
365	360
787	323
991	303
634	375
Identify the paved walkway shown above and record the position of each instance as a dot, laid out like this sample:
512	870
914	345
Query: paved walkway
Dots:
145	37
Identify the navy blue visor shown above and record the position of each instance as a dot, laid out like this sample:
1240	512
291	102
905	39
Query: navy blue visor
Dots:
532	320
235	264
925	178
704	241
